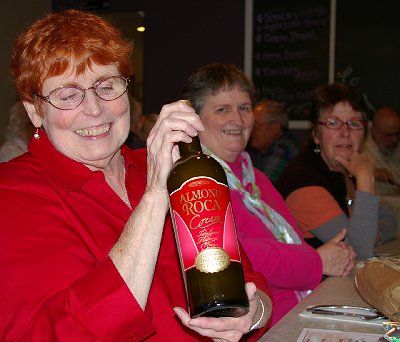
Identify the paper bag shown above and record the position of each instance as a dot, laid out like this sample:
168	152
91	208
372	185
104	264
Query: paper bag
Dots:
378	283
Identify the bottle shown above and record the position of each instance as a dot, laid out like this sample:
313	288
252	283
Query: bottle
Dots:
205	233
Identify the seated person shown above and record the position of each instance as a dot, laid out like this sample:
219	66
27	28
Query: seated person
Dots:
331	186
87	246
19	132
272	146
382	144
223	97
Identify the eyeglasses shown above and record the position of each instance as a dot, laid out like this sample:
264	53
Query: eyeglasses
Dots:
70	97
335	123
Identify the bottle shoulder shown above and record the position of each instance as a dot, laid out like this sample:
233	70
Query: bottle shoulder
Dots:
195	166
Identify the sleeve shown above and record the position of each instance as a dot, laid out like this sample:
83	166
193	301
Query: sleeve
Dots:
312	207
53	287
275	260
362	227
318	213
85	312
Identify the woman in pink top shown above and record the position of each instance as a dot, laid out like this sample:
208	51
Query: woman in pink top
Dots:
223	97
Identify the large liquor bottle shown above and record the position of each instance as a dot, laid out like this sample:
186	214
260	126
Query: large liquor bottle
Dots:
205	232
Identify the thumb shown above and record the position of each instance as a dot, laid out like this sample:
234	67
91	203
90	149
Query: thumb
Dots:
250	290
340	236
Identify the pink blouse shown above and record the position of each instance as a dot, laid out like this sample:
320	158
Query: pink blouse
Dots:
288	268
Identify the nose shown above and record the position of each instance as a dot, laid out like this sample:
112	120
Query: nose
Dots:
345	129
237	116
91	103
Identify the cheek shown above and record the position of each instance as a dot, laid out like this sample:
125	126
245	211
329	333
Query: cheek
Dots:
62	122
123	108
358	140
212	125
57	120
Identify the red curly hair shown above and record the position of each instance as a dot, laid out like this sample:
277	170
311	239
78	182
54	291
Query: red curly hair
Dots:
62	40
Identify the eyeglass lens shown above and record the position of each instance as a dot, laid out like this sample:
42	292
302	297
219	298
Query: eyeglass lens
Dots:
70	97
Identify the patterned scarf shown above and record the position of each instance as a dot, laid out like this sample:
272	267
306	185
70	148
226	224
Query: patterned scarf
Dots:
251	198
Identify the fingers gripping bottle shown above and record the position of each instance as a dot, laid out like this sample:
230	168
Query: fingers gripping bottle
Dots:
205	235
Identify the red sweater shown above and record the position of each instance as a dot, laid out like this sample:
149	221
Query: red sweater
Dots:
59	222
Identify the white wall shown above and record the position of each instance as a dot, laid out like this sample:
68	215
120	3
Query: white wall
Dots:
15	16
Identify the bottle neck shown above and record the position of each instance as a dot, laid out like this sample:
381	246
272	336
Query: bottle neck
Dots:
187	149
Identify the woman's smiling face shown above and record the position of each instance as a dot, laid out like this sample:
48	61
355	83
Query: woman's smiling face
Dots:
96	129
228	118
339	142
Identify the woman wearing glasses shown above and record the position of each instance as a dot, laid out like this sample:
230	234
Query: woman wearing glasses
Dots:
330	186
87	253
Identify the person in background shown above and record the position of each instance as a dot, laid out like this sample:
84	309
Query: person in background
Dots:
136	119
331	184
19	132
223	97
272	146
382	144
148	123
87	246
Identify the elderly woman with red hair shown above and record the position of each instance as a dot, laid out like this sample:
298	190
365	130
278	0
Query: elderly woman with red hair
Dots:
86	250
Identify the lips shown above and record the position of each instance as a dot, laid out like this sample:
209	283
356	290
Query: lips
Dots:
344	146
93	131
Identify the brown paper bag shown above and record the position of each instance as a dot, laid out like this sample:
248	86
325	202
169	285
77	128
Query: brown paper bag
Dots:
378	283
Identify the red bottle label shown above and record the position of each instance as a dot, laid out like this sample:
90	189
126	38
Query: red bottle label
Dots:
204	225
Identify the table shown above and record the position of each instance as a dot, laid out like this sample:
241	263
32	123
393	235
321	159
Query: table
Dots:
333	290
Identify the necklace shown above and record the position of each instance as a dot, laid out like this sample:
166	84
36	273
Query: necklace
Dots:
119	187
125	197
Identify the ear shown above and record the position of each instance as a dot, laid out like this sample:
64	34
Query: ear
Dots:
35	117
315	136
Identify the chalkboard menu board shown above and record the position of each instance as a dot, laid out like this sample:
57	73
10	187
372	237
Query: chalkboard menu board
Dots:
368	50
290	51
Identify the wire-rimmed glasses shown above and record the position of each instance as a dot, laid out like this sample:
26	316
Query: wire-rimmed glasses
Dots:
70	97
335	123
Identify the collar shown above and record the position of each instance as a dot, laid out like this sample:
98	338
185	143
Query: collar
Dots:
68	172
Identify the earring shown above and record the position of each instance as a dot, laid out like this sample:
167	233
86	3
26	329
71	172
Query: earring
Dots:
36	135
317	149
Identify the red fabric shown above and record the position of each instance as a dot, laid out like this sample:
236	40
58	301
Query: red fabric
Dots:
59	221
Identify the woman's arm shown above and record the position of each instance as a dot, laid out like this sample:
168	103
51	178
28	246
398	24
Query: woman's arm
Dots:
135	254
318	213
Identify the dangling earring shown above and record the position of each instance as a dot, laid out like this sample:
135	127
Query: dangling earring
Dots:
317	149
36	135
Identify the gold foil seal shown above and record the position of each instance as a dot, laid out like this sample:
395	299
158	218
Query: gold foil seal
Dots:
212	260
186	102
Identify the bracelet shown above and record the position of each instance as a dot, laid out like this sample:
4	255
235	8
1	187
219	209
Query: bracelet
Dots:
255	325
